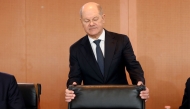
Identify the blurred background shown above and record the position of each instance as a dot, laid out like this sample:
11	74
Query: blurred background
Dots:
35	36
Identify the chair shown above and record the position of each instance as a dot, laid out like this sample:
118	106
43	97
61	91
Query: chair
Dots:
107	97
31	94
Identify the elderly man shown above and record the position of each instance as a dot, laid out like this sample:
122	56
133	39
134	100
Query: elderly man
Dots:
10	96
101	56
186	97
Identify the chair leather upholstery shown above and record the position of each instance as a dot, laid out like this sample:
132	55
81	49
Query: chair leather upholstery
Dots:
107	97
31	94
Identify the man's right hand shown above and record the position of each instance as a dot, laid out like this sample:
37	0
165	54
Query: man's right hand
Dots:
69	94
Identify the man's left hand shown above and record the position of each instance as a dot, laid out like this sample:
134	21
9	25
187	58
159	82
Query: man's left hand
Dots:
145	93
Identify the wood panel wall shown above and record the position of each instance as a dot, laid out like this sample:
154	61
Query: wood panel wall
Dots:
163	49
35	36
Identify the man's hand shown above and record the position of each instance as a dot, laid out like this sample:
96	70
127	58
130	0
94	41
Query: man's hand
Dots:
145	93
69	94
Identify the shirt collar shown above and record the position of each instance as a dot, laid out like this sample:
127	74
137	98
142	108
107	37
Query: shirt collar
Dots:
102	37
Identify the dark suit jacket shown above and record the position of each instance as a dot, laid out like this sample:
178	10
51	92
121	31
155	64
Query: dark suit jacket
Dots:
186	96
10	97
118	55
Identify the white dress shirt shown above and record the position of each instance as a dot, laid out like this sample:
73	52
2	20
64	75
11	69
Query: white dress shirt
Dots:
102	43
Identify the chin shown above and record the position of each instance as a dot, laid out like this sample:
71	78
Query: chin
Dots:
93	32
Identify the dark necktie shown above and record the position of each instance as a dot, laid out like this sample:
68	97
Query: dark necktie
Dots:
100	57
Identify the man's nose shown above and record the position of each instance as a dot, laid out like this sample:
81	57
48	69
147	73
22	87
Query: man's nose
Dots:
91	23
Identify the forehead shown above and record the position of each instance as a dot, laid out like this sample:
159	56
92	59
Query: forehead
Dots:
90	13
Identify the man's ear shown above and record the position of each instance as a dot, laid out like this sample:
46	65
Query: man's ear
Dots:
103	18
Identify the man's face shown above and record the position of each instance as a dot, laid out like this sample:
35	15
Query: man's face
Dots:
92	22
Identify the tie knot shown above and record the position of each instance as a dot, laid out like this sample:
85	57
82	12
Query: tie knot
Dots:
97	42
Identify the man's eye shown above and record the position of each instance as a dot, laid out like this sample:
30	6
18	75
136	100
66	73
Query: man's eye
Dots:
86	21
95	19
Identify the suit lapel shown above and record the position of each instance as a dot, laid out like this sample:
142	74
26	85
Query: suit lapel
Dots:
110	44
86	49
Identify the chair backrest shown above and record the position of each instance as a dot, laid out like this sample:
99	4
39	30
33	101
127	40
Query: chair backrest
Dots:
31	94
107	97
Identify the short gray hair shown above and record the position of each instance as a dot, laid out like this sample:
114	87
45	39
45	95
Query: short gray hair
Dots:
99	9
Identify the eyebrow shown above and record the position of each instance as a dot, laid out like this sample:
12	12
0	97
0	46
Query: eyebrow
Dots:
92	18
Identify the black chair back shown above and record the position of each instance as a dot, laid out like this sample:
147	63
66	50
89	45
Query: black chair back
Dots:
31	94
107	97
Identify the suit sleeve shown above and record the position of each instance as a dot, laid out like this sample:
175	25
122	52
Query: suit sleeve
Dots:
186	96
132	65
75	72
15	100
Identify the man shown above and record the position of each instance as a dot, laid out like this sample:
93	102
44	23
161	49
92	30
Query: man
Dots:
10	96
85	63
186	97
